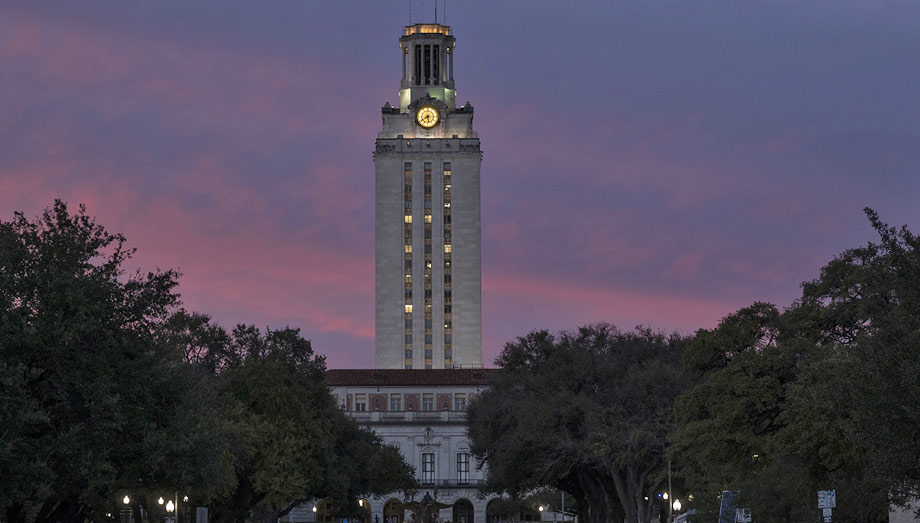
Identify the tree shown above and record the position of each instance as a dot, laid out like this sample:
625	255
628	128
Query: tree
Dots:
75	352
729	421
821	393
587	412
287	441
107	388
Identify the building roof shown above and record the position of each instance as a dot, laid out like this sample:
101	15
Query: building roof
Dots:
403	377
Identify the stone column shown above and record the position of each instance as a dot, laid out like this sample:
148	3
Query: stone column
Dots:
442	73
430	64
411	53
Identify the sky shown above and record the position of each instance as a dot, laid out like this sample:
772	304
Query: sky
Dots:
657	163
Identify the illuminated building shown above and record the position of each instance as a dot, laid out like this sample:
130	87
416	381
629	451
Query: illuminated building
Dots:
428	239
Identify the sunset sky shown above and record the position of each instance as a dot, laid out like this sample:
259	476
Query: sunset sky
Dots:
656	163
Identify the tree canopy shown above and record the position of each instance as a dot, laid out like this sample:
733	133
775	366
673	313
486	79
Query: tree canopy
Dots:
587	412
108	387
818	396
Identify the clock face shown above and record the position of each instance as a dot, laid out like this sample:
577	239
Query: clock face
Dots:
427	116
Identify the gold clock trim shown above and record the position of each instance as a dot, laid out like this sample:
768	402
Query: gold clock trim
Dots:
427	116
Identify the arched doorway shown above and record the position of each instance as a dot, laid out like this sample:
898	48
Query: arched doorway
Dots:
463	511
493	512
365	507
393	511
324	512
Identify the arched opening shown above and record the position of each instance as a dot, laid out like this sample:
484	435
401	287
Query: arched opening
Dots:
495	512
365	507
324	512
393	511
463	511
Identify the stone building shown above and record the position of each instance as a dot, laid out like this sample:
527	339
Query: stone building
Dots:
428	239
423	413
428	292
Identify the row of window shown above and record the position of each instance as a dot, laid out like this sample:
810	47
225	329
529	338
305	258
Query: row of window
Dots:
397	405
427	180
407	269
427	471
448	311
408	284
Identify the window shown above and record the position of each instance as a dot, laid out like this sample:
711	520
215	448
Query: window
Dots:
427	402
463	468
407	229
395	402
459	401
428	467
360	402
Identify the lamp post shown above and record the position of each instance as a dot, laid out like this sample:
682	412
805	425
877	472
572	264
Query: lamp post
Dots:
541	512
670	505
126	511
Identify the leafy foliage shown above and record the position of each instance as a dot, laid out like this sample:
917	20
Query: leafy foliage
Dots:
75	340
587	412
822	393
107	388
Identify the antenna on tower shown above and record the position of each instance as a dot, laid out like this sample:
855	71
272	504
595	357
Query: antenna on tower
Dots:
435	11
410	12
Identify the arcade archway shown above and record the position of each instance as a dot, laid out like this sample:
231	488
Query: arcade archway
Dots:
463	511
393	511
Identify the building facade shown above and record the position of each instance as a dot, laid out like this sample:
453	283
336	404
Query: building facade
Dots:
428	236
423	414
428	294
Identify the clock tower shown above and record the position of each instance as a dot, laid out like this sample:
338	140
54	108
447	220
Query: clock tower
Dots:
428	275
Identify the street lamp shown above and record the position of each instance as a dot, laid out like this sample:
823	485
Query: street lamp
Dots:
160	501
677	505
541	512
127	500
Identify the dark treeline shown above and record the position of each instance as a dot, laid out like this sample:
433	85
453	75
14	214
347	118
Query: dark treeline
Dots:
109	389
775	404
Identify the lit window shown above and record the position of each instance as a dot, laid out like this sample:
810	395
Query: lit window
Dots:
428	467
409	219
447	248
427	218
408	308
408	248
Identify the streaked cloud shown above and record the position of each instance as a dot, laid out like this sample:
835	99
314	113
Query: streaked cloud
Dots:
645	164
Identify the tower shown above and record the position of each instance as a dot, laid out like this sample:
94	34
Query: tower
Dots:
428	275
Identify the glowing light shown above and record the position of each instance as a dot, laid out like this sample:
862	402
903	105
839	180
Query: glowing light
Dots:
169	506
677	504
160	501
427	117
126	500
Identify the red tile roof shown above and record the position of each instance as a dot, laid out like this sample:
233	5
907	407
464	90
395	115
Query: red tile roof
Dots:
429	377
